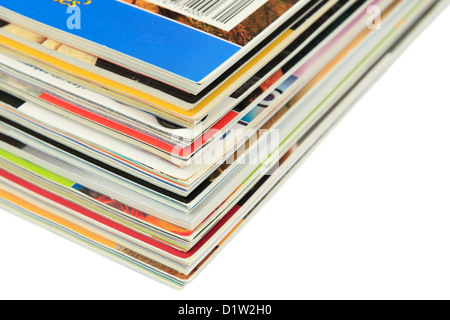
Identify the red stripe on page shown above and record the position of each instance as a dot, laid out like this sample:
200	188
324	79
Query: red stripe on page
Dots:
185	152
219	125
92	215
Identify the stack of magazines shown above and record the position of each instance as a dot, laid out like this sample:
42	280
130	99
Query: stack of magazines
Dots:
151	131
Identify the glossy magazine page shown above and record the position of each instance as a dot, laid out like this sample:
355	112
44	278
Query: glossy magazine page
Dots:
150	34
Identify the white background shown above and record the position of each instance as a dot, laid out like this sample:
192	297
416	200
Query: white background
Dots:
366	217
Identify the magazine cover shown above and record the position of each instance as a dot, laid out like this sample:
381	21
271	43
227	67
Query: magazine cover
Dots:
187	40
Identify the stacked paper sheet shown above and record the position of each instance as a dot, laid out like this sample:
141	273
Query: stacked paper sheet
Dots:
151	131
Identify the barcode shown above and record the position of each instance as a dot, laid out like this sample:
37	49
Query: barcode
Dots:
223	14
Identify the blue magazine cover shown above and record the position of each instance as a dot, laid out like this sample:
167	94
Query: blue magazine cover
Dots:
188	38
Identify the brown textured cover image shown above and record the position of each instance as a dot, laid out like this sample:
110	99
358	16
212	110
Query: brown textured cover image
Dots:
242	34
